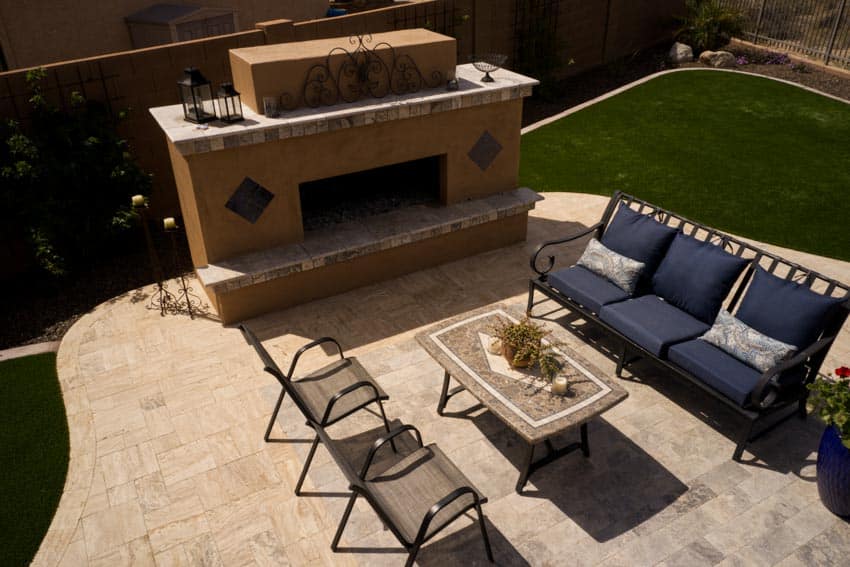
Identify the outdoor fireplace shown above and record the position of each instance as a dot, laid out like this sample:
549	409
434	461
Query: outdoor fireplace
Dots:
374	169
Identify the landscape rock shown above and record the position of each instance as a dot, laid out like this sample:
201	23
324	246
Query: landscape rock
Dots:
719	59
681	53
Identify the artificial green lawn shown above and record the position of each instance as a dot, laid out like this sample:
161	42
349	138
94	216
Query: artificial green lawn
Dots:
740	153
33	454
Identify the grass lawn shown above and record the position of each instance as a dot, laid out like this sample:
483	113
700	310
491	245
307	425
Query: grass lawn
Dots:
33	454
744	154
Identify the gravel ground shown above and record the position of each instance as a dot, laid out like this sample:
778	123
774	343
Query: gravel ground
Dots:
34	311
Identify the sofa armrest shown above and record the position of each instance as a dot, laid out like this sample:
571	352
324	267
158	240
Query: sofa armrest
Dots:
597	228
767	379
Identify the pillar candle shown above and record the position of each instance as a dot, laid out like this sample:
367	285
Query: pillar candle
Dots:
559	385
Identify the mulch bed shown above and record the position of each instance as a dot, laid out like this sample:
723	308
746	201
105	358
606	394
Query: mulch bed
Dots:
37	308
36	311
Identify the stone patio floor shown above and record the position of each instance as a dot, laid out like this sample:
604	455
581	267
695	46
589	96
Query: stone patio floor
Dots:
168	464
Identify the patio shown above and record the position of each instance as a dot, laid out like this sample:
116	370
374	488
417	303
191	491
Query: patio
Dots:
168	464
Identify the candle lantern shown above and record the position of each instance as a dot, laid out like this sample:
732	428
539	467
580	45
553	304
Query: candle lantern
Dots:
229	103
196	96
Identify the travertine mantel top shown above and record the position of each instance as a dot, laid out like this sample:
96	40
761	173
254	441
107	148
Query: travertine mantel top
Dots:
257	128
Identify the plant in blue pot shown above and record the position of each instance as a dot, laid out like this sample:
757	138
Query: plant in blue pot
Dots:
831	399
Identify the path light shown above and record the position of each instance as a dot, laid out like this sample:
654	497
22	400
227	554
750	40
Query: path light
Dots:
229	103
196	96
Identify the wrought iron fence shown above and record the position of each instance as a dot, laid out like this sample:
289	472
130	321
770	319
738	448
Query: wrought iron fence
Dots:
819	29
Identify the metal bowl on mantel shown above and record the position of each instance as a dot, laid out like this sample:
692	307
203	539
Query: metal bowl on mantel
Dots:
488	63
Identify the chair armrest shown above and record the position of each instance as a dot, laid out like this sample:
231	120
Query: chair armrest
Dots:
344	392
533	262
383	441
443	502
800	358
307	347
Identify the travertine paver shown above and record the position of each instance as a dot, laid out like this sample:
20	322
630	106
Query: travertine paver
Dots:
168	465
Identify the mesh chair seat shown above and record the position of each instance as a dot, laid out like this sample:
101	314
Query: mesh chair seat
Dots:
408	489
318	388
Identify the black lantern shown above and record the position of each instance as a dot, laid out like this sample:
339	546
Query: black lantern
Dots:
229	103
196	96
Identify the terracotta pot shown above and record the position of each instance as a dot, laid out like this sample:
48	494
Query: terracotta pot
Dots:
508	351
834	473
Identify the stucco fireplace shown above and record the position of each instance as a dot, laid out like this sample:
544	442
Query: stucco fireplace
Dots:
374	168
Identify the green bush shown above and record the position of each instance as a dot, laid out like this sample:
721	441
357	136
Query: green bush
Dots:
708	25
66	180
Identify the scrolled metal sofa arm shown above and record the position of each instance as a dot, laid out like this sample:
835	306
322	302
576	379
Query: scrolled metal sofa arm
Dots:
758	397
597	228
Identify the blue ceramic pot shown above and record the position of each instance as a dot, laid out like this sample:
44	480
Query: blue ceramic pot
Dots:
834	473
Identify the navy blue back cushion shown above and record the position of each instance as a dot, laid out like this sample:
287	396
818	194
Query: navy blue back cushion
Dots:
639	237
696	276
785	310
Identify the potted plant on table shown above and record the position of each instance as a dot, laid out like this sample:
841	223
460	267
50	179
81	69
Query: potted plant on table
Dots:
523	345
831	399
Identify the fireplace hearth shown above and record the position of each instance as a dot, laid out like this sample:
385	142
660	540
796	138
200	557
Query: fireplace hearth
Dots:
352	193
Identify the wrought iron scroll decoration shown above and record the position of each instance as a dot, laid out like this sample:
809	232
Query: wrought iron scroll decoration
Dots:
364	71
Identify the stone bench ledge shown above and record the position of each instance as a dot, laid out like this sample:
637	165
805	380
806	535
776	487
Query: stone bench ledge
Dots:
344	241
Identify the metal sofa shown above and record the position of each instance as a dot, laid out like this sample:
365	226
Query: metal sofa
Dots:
691	272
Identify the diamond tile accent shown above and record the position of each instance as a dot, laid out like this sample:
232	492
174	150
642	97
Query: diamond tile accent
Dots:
249	200
485	150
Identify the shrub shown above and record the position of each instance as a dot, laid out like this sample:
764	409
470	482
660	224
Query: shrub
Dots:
708	25
66	180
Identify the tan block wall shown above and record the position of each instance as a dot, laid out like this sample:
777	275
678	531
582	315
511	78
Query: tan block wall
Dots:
209	179
329	280
45	31
145	78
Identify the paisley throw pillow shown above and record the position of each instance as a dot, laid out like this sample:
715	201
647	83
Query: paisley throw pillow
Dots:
618	269
745	343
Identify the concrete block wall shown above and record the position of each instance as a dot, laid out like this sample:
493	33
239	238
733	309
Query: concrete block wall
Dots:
41	31
592	31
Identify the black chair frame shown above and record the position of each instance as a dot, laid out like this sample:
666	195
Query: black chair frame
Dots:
286	382
359	487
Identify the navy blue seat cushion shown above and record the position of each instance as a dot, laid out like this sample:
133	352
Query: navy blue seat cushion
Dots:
585	287
784	310
639	237
652	323
713	367
697	276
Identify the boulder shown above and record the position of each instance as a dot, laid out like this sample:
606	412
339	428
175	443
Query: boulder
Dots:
681	53
719	59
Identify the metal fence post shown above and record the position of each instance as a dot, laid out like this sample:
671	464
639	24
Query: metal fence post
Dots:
828	53
758	22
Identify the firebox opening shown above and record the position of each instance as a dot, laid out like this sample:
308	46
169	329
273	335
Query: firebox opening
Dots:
371	192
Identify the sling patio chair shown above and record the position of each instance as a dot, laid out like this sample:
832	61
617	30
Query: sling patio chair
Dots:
324	396
416	496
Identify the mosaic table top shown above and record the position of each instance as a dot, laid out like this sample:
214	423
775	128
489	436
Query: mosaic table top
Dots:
521	398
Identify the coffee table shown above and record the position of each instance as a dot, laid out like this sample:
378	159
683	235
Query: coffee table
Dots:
521	399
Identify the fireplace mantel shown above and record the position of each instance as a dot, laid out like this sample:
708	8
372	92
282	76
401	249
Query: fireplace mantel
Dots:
190	139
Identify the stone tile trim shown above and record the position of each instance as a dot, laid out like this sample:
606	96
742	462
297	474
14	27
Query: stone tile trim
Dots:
345	241
190	139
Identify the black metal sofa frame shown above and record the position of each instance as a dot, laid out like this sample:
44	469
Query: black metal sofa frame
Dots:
763	408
